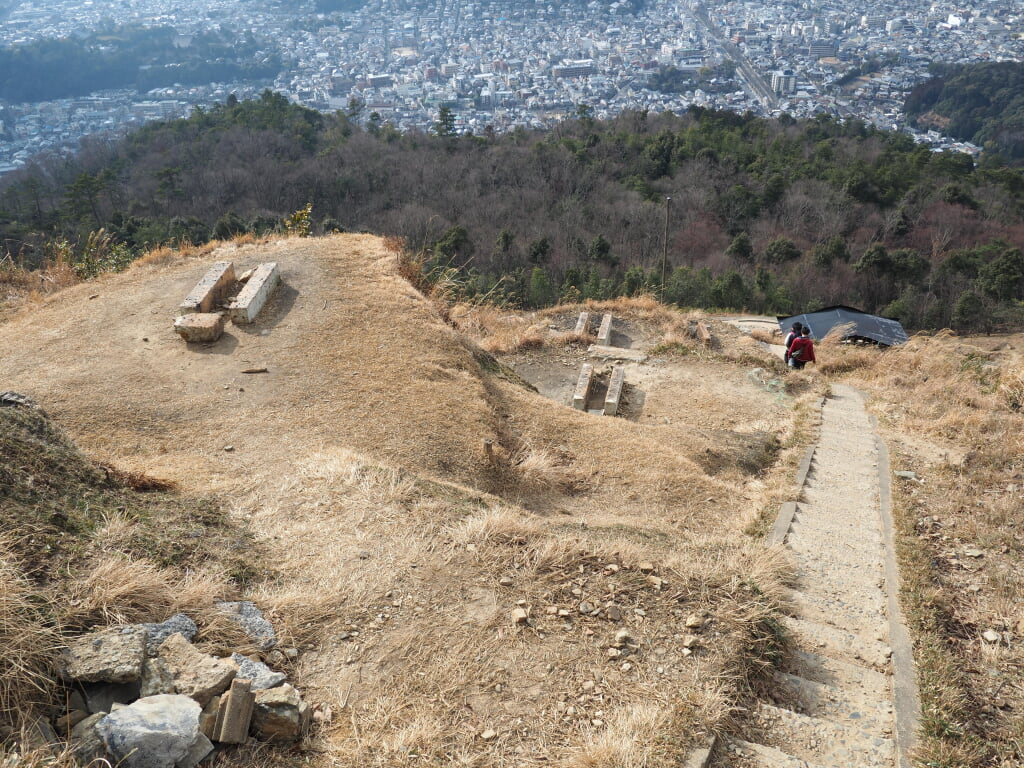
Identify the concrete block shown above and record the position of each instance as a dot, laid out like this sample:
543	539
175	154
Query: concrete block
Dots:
704	333
200	326
604	335
583	324
212	290
235	713
582	393
611	400
250	301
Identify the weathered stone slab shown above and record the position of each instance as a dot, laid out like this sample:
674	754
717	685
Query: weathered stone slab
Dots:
583	385
250	301
195	674
234	713
583	323
259	673
604	334
158	632
280	714
155	732
704	333
111	655
615	384
212	290
200	327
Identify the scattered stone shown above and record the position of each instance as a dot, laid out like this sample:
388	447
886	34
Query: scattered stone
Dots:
646	567
694	621
520	616
156	678
614	653
622	637
85	739
488	735
260	674
563	612
585	607
613	612
690	641
195	674
155	732
69	720
973	553
687	651
157	633
906	475
293	653
656	582
991	636
589	685
626	667
280	714
251	619
611	568
111	655
506	581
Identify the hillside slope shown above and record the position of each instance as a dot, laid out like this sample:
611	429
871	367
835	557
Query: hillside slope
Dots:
396	551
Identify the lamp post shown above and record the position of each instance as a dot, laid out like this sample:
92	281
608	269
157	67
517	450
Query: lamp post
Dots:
664	253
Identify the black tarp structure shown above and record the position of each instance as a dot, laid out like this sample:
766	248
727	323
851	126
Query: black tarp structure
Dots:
855	325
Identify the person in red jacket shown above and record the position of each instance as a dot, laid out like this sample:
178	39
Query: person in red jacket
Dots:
801	351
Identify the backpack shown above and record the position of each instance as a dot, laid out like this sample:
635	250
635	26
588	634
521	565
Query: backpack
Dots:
796	354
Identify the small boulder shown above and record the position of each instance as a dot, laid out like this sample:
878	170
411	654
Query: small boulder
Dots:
520	616
260	674
251	620
280	714
85	739
112	655
991	636
156	633
195	674
155	732
694	621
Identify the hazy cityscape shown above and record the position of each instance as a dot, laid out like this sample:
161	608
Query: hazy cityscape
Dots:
499	65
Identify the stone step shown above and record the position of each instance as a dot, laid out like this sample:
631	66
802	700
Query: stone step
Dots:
849	707
832	557
760	756
864	586
839	644
824	742
840	674
816	604
806	535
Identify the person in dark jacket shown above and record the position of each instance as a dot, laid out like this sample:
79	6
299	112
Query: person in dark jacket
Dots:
801	351
790	338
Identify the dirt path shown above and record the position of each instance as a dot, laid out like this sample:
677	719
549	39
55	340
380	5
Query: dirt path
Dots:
835	704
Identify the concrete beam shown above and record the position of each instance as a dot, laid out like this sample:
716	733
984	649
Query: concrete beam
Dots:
583	385
604	336
615	385
212	290
704	333
583	324
250	301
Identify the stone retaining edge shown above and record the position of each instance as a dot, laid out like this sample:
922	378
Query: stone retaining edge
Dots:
906	701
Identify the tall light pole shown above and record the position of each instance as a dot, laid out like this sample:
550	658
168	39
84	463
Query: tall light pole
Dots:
664	253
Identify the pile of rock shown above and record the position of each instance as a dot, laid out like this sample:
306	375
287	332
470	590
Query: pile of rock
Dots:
142	696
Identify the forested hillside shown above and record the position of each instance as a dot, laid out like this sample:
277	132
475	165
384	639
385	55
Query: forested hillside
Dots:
765	215
980	103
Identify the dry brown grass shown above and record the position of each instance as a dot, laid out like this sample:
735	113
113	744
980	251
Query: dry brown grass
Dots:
949	407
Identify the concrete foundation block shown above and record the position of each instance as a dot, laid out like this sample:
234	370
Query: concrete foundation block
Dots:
604	335
611	400
212	290
201	326
250	301
583	385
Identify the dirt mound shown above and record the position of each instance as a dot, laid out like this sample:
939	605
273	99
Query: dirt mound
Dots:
399	548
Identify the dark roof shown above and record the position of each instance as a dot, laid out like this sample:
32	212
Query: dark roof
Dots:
882	330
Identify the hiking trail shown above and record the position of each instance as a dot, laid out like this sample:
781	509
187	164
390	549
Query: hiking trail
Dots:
846	697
